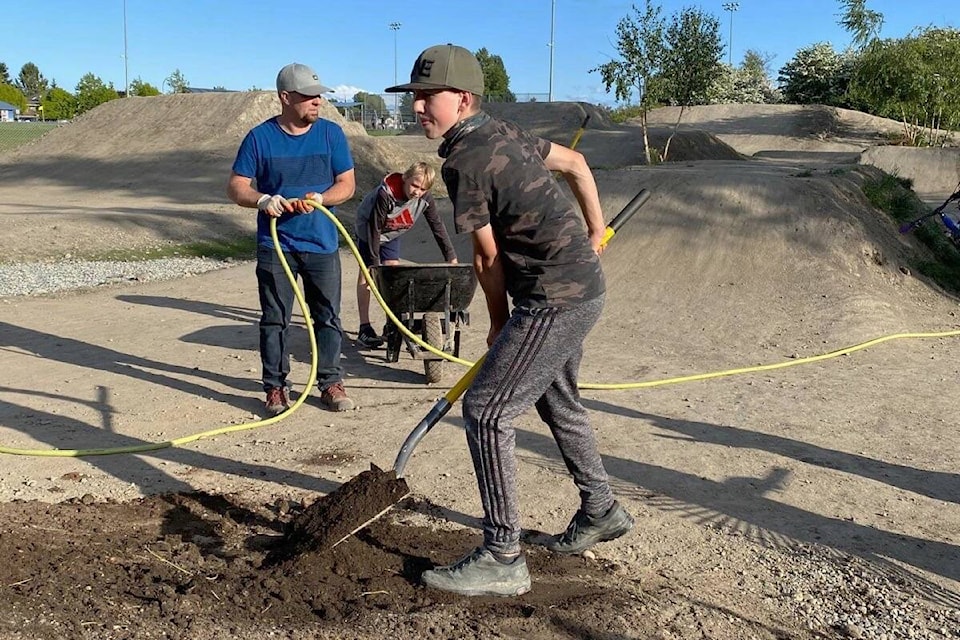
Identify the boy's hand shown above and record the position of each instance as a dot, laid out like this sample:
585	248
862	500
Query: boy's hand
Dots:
596	241
492	334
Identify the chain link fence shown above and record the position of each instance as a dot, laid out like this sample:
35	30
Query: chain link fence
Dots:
395	110
15	134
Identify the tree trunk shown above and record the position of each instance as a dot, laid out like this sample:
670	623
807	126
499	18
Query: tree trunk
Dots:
666	148
646	138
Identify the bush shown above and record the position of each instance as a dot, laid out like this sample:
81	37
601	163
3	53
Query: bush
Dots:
894	195
626	112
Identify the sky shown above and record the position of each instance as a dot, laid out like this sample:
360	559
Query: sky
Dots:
242	44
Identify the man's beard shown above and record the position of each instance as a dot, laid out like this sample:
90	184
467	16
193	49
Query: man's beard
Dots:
309	118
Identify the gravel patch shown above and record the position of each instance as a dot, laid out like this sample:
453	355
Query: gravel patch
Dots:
43	278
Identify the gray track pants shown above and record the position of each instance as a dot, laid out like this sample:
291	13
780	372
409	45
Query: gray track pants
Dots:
534	361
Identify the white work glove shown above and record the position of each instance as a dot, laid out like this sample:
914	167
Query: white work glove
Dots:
273	206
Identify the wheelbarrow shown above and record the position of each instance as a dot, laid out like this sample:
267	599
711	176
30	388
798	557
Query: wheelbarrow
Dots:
431	300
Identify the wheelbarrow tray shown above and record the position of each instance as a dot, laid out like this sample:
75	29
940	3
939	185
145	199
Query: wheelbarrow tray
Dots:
422	288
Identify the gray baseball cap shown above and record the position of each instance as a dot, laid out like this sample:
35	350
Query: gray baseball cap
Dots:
444	66
302	79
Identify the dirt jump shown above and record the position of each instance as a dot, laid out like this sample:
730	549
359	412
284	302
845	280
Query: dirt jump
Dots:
815	498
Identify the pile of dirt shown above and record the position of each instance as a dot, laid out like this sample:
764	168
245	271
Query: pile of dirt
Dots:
180	139
779	129
197	566
149	171
329	520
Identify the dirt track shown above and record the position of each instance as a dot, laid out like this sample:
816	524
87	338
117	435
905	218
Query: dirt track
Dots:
819	500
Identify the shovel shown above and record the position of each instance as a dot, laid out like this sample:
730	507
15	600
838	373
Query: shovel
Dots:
365	498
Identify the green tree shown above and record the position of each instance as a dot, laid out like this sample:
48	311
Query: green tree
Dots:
496	82
12	95
862	23
373	108
140	88
816	75
92	92
749	83
177	82
31	81
59	104
406	107
691	62
641	49
914	80
5	74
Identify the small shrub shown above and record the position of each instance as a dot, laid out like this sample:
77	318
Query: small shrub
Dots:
622	114
894	196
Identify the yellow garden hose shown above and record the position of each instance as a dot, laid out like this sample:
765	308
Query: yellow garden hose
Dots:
153	446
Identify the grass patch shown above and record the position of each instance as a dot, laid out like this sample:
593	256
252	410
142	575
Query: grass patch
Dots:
895	196
15	134
237	249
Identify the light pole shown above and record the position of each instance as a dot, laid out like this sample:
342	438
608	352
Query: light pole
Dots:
126	73
553	17
395	26
731	7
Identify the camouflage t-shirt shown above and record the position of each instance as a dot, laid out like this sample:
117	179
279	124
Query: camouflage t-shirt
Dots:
495	175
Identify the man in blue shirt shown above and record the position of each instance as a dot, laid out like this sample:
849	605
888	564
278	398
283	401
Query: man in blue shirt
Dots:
282	162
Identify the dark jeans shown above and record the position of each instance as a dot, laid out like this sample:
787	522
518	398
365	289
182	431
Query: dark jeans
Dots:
320	274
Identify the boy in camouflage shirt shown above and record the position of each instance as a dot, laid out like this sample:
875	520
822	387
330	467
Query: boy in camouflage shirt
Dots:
529	242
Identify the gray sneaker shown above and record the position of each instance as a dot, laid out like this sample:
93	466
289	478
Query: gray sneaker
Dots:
584	531
480	574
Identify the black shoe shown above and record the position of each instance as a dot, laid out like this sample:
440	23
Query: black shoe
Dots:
369	338
585	531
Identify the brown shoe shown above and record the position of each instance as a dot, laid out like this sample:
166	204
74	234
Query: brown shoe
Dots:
335	398
278	400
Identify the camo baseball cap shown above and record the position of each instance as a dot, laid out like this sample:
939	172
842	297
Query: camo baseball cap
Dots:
444	66
301	79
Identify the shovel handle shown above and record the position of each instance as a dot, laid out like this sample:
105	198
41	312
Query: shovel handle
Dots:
625	214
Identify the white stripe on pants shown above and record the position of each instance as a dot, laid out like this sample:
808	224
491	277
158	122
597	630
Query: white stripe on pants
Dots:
534	362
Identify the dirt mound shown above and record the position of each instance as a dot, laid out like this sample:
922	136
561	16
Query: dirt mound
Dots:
607	145
752	128
753	239
194	566
182	138
143	172
552	120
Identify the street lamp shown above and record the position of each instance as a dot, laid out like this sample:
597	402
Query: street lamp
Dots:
553	16
126	74
731	7
395	26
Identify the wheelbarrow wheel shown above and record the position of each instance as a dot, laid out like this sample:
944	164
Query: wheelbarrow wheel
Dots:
433	336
